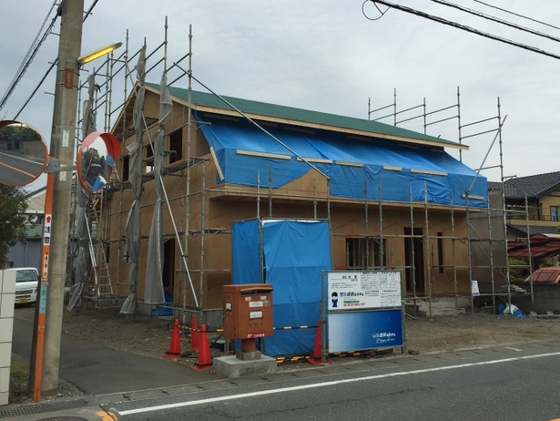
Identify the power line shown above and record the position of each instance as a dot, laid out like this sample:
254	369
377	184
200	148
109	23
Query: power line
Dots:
37	42
495	19
517	14
34	91
466	28
86	15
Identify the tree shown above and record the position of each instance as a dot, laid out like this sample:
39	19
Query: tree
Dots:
13	204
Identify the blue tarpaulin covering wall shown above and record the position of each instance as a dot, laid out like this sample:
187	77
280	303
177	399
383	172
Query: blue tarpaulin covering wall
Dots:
380	169
295	254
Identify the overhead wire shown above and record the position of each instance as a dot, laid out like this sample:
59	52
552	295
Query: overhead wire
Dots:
466	28
495	19
31	53
381	13
517	14
53	63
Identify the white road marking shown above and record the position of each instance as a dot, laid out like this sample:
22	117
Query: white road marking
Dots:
514	349
326	384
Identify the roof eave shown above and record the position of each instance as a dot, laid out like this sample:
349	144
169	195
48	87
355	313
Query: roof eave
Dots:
311	125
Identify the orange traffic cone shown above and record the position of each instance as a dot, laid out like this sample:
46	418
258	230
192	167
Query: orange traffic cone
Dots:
195	336
316	355
204	357
175	346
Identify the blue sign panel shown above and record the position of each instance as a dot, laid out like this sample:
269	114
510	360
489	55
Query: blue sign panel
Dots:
356	331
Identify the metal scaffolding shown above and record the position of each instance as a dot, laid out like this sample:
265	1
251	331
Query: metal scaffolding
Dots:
421	271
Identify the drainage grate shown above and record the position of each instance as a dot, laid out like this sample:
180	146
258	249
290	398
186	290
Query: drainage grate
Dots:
40	408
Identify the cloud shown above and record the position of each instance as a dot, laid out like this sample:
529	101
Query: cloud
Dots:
326	56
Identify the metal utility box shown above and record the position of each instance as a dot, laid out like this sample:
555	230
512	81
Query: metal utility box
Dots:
247	311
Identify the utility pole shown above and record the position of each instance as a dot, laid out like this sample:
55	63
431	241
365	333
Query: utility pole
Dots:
62	148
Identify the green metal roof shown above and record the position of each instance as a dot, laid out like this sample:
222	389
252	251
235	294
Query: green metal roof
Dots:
306	116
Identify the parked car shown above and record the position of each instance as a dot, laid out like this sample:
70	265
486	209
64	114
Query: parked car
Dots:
27	282
549	274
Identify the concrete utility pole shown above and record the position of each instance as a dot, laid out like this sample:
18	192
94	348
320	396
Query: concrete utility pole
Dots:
62	148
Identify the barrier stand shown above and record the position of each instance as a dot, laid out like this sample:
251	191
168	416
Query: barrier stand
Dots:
316	355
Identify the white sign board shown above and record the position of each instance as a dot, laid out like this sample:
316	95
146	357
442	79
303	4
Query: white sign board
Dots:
474	288
364	290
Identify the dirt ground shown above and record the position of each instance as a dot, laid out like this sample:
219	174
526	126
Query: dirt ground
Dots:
152	336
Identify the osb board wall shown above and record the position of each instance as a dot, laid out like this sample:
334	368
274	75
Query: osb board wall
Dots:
351	222
224	204
346	221
178	120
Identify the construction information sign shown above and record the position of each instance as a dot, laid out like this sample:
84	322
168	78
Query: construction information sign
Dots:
355	290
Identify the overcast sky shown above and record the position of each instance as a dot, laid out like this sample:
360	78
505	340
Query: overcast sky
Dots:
327	56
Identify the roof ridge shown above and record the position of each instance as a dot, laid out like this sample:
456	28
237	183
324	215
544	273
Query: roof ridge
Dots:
266	109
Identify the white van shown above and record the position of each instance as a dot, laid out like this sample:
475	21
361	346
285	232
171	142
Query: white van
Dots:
27	282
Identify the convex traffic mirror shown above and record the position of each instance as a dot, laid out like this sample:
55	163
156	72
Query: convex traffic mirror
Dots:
96	160
23	153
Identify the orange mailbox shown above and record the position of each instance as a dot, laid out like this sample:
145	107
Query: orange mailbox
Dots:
247	311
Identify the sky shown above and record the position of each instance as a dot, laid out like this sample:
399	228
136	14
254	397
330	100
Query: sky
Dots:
336	56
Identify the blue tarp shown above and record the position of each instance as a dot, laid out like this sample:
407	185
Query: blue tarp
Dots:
388	170
295	254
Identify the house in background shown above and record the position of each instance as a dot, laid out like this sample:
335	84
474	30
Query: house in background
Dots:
27	253
532	207
393	198
532	204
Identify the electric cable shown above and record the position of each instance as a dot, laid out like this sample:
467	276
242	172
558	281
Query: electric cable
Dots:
495	19
467	28
518	15
86	15
35	45
381	13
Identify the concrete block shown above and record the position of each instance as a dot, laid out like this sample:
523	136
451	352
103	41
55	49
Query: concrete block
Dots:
4	379
248	356
5	354
6	329
9	282
233	367
7	302
4	398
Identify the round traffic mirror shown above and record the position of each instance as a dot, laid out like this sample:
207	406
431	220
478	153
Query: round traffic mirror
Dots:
96	160
23	153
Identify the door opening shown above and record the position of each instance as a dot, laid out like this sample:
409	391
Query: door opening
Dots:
414	261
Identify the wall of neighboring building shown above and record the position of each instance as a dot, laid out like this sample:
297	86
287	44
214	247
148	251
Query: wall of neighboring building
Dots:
25	254
551	200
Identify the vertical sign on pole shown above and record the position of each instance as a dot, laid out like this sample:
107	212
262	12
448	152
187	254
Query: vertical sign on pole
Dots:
42	291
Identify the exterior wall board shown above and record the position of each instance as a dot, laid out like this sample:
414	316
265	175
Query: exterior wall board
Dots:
217	205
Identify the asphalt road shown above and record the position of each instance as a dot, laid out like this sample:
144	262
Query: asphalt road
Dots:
503	383
499	383
18	169
97	370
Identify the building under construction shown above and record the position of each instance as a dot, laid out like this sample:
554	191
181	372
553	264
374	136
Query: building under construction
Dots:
199	164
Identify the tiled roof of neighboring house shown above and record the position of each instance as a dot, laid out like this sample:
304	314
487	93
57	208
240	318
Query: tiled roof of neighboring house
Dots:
510	190
533	229
533	186
264	109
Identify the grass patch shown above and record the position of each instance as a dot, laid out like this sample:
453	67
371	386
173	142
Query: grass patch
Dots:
19	380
